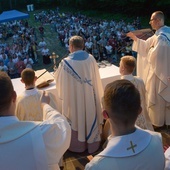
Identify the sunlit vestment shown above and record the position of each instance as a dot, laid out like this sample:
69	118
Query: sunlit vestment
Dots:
138	150
80	89
143	120
34	145
153	67
28	105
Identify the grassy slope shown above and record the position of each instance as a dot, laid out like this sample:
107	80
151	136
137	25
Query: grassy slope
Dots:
50	37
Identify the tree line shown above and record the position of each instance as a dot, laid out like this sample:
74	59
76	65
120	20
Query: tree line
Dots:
128	7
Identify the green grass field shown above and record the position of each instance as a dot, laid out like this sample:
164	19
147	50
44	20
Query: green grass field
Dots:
50	37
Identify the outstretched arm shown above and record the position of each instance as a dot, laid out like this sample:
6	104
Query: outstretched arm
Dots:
132	36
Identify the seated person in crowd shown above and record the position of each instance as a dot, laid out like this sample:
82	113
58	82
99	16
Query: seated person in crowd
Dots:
12	71
28	103
20	66
3	67
30	145
129	147
28	62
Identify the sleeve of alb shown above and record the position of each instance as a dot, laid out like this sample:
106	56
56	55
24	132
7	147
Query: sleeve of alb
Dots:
56	133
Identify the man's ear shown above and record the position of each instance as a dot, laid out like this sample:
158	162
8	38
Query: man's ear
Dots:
14	96
35	78
140	110
22	80
105	114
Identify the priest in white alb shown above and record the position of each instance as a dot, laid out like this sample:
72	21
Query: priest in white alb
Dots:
153	68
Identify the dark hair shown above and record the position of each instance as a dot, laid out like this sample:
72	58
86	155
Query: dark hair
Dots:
122	101
6	91
28	76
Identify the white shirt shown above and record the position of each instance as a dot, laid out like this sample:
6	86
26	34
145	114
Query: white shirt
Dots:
42	44
45	51
37	149
141	150
28	62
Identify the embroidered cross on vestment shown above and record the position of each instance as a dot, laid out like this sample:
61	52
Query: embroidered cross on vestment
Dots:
132	146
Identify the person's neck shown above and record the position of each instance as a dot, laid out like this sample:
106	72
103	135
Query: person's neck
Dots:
122	130
30	87
75	50
9	112
160	27
125	73
6	114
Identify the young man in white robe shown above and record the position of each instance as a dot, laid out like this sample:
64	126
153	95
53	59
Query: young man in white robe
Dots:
153	67
129	147
80	90
28	105
30	145
127	67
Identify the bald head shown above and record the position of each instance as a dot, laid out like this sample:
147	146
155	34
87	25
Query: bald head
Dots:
157	20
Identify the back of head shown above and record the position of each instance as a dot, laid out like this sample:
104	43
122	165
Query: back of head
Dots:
6	91
28	76
129	63
159	15
122	101
77	42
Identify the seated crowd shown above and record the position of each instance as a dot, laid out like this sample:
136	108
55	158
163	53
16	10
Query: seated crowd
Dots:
103	39
19	47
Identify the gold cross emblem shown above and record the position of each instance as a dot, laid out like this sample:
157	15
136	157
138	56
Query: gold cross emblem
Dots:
132	146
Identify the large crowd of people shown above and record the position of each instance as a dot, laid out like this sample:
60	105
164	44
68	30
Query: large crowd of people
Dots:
17	47
105	40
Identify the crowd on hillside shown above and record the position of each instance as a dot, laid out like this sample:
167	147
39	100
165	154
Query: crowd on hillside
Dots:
19	47
105	40
17	54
